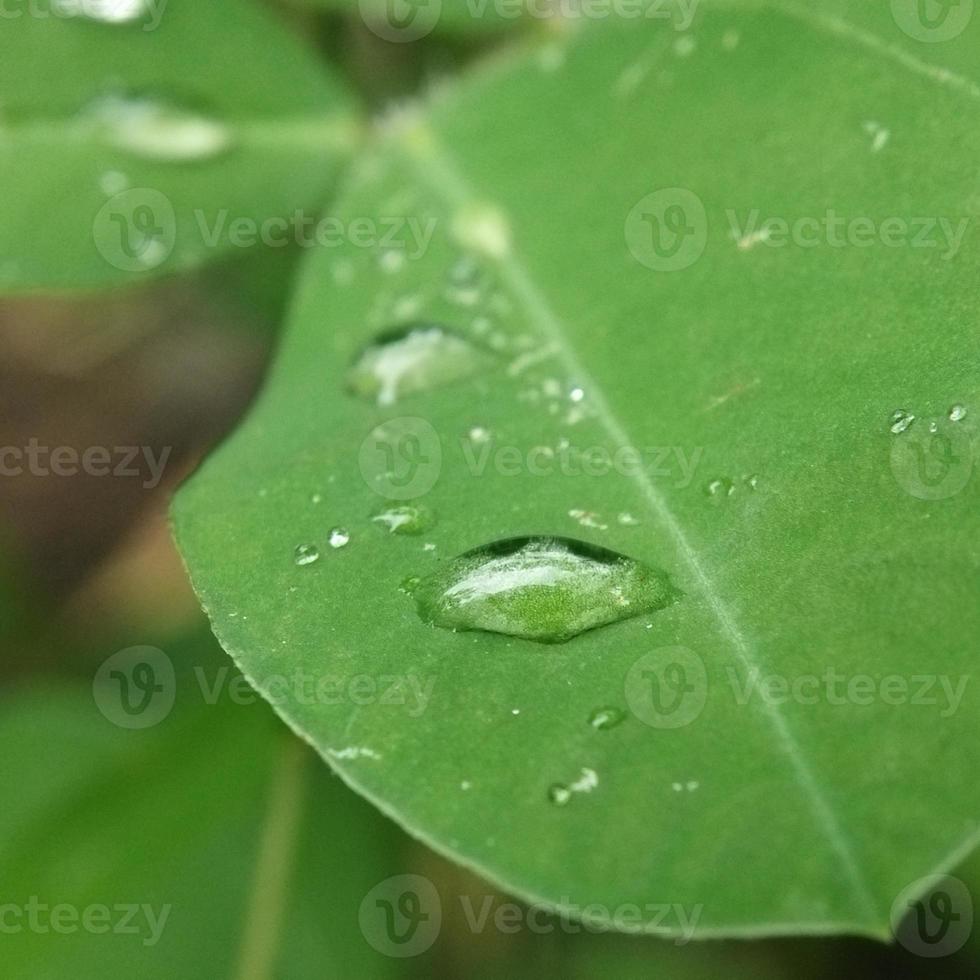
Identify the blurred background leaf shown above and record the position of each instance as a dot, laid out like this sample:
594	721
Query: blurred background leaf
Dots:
119	164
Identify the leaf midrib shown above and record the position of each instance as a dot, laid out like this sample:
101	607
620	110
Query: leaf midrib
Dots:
435	168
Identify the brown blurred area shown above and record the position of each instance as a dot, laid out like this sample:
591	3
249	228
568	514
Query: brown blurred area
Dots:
163	370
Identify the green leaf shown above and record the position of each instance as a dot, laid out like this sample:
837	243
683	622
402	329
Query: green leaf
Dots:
144	141
798	739
240	852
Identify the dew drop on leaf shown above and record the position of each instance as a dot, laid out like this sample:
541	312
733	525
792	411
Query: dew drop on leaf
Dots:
901	420
405	519
412	359
957	413
544	589
156	130
305	554
479	435
559	794
339	537
603	719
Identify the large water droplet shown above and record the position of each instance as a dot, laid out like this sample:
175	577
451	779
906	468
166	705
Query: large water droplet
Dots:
405	519
545	589
157	131
412	359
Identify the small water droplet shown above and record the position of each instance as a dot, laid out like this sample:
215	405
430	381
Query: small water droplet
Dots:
901	420
603	719
543	589
588	519
627	519
957	413
479	434
576	394
410	584
305	554
155	130
751	481
721	487
933	426
339	537
391	260
412	359
316	498
482	228
465	272
104	11
405	519
559	794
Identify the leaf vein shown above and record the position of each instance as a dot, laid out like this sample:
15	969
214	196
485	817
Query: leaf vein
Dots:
439	172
